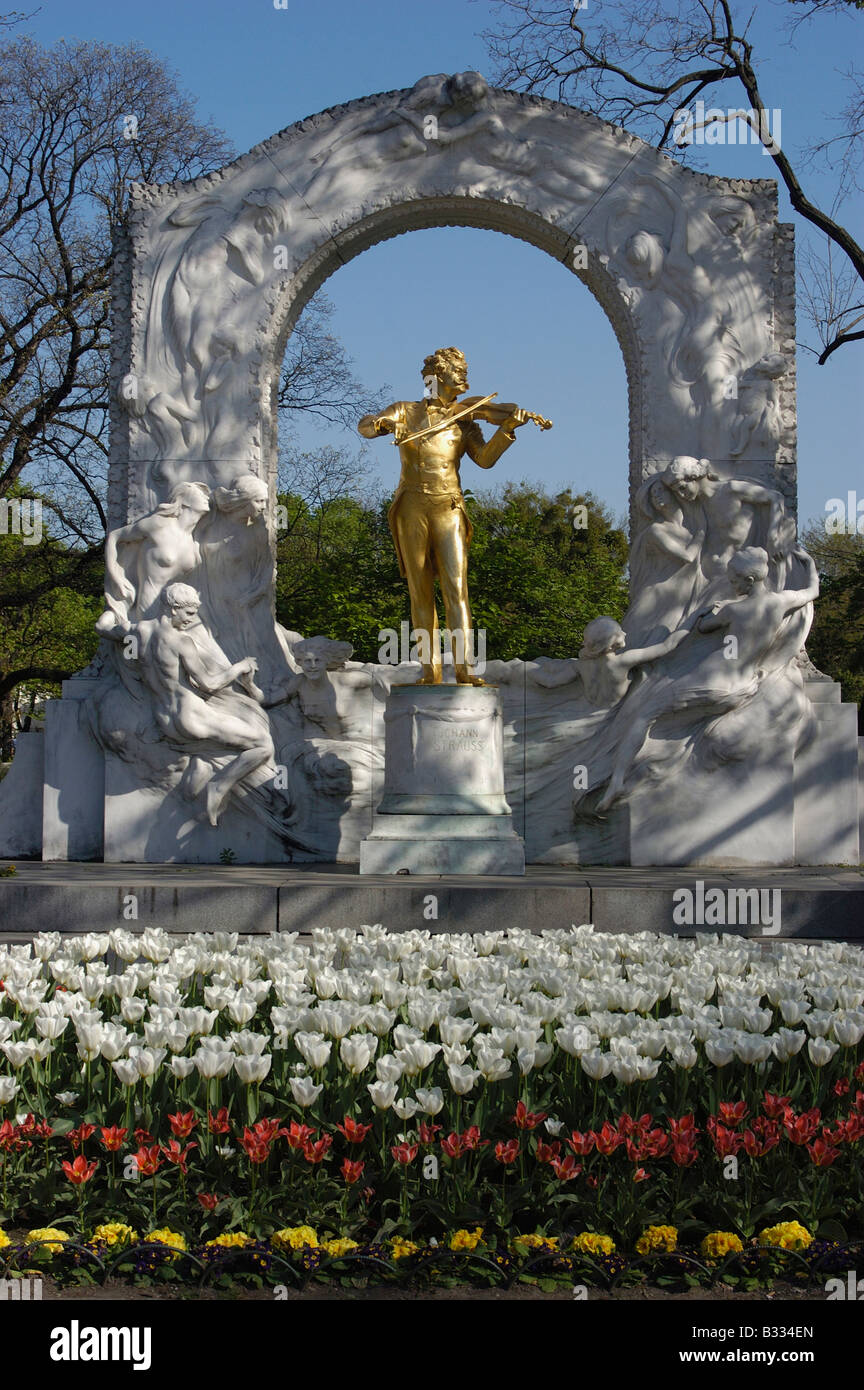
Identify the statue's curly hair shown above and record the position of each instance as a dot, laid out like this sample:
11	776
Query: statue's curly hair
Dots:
442	357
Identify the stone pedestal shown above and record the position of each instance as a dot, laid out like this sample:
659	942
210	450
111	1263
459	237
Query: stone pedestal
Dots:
444	810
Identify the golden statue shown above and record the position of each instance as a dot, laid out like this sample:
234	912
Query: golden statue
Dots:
428	519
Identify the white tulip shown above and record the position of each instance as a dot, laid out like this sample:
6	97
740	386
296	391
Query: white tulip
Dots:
403	1035
406	1109
456	1030
753	1047
242	1009
211	1063
314	1048
821	1051
793	1010
8	1089
430	1100
357	1052
417	1056
114	1042
249	1044
463	1079
625	1069
133	1010
575	1039
596	1064
818	1022
383	1093
684	1055
181	1067
719	1050
126	1071
252	1067
454	1056
45	944
494	1068
148	1060
787	1042
849	1030
67	1098
19	1054
50	1025
304	1090
8	1026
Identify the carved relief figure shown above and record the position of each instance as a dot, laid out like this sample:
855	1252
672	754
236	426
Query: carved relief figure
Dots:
758	426
665	573
238	576
193	704
733	511
729	673
140	559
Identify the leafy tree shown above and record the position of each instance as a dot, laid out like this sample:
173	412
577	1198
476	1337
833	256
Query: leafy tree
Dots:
836	642
49	602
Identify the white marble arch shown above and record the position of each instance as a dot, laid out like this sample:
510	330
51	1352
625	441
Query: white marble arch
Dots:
696	277
694	273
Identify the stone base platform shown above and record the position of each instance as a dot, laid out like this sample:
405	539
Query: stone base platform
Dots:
824	904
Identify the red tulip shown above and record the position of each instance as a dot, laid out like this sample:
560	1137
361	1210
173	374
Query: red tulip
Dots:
453	1146
507	1152
218	1123
175	1154
822	1154
297	1135
471	1138
527	1119
112	1138
732	1112
404	1153
608	1139
79	1171
427	1132
317	1152
775	1106
182	1124
352	1169
143	1136
800	1129
548	1153
267	1130
256	1148
725	1141
639	1175
148	1160
841	1087
355	1132
77	1136
581	1143
208	1200
566	1168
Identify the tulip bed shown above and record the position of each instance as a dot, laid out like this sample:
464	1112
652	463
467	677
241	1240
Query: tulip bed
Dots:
403	1097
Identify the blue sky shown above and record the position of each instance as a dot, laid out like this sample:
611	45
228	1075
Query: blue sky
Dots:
530	330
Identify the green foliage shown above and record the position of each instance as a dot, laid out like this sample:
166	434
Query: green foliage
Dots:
535	578
836	642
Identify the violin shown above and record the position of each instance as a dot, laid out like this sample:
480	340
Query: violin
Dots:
479	408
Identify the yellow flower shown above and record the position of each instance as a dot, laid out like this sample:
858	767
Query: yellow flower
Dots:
591	1244
48	1233
114	1233
720	1243
789	1235
4	1239
294	1238
653	1238
232	1240
165	1236
400	1248
466	1240
339	1247
536	1242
